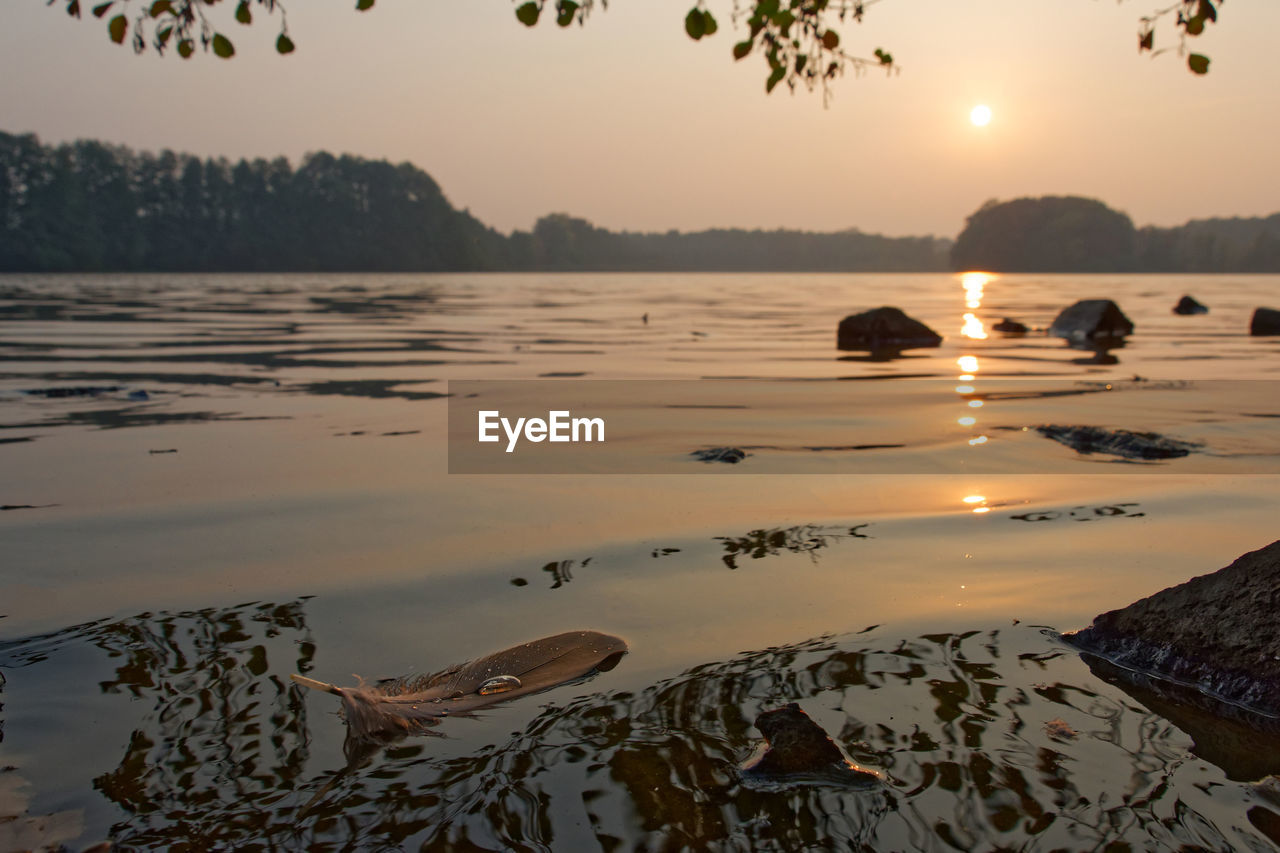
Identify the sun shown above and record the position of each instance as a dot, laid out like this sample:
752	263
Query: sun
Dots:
980	115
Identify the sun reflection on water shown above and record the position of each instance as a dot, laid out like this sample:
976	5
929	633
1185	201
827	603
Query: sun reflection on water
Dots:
973	283
973	328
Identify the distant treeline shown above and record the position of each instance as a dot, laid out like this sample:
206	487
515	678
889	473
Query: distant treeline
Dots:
88	206
1071	234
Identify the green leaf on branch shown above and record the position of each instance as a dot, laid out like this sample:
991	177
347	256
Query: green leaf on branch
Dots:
775	78
160	7
1198	63
363	5
1146	40
528	13
222	46
73	8
1205	10
566	12
709	23
884	57
163	34
741	49
102	8
1195	26
186	47
831	39
117	28
284	44
694	24
243	15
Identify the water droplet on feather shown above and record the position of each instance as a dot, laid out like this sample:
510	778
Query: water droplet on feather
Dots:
498	684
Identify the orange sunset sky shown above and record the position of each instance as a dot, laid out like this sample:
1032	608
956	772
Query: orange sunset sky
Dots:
629	123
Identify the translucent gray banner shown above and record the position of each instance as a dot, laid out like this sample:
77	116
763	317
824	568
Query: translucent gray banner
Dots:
891	426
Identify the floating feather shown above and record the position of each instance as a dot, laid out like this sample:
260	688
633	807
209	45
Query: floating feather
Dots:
407	705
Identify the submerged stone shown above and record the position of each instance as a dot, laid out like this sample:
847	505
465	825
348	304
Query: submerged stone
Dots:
1219	633
1188	305
1118	442
1266	321
799	750
1011	326
884	330
1090	319
731	455
75	391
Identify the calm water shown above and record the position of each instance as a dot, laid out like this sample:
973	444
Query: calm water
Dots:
217	481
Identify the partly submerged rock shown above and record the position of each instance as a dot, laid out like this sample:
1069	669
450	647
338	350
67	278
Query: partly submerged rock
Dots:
1010	326
1219	633
1188	305
731	455
884	330
1244	743
798	751
1266	321
1118	442
1091	319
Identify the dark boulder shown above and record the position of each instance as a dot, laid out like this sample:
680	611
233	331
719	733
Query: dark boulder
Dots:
1091	319
884	330
1219	633
800	751
1011	326
1266	321
1118	442
1188	305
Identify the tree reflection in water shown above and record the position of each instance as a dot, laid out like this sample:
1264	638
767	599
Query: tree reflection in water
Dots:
800	539
956	721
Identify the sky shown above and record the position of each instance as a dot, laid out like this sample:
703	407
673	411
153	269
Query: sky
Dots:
630	124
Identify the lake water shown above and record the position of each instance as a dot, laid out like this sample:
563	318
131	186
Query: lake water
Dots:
211	482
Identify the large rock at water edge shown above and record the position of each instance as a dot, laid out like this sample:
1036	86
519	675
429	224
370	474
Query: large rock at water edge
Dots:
1266	321
1218	632
884	330
1091	319
1189	305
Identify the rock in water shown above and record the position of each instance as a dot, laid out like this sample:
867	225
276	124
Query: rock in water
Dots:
731	455
1266	321
1011	326
1118	442
1188	305
1091	319
800	751
884	330
1219	632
